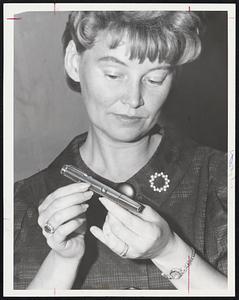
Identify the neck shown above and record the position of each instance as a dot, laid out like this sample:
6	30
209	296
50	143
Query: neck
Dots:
117	160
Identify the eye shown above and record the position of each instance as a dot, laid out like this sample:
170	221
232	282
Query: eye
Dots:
154	82
113	76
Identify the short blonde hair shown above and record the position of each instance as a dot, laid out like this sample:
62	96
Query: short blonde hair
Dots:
169	36
172	36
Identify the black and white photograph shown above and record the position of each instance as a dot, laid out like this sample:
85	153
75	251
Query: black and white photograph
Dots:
120	156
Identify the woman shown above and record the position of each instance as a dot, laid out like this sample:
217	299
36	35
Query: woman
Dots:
66	237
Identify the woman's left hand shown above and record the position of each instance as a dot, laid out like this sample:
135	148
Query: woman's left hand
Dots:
146	234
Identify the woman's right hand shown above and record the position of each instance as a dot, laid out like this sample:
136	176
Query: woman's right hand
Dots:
64	209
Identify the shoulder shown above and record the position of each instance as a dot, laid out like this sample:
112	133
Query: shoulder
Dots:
71	151
182	147
25	191
213	168
215	164
215	161
28	192
207	163
36	184
211	165
25	204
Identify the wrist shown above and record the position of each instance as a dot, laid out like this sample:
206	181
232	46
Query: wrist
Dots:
168	250
59	259
174	256
55	272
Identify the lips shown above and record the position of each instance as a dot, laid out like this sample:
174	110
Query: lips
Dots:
128	117
126	120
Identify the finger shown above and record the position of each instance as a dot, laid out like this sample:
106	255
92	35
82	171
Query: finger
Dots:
113	242
108	239
98	233
121	231
63	203
80	221
106	231
64	191
111	239
106	228
150	215
132	221
66	229
62	216
73	199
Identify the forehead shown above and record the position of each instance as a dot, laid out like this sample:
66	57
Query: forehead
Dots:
102	51
103	44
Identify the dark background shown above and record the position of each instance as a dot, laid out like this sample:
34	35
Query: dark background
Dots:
198	103
47	114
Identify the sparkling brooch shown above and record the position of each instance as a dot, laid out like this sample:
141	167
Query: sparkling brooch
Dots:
166	182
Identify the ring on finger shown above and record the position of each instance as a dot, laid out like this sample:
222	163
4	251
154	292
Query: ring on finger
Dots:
124	251
48	228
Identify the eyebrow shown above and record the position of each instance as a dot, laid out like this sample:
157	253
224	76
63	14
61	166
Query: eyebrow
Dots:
117	61
112	59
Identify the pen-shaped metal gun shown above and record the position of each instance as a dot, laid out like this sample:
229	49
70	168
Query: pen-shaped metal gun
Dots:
96	186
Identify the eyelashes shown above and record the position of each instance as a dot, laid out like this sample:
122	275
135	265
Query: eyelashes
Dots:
156	82
148	81
113	76
151	80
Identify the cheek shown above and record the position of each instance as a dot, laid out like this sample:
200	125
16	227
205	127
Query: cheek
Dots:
155	100
98	91
162	94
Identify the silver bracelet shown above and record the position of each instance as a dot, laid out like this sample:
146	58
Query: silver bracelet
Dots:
177	273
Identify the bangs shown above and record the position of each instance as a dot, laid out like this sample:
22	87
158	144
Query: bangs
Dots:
159	43
146	43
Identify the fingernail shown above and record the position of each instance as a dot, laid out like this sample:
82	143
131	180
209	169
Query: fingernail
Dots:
103	200
88	194
85	206
84	185
93	229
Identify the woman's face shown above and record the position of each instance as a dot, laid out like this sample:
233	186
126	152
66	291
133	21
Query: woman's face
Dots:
123	97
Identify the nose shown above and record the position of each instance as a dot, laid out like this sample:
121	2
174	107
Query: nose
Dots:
134	96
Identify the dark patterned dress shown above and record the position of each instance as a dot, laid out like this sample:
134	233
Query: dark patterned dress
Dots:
194	205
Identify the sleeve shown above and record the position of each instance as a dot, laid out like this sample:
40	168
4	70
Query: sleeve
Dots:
30	247
216	217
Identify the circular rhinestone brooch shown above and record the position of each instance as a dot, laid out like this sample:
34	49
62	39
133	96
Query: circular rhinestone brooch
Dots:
164	187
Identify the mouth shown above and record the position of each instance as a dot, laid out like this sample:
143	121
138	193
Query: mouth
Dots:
128	117
126	120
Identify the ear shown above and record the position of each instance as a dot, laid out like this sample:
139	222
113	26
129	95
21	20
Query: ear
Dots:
72	60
